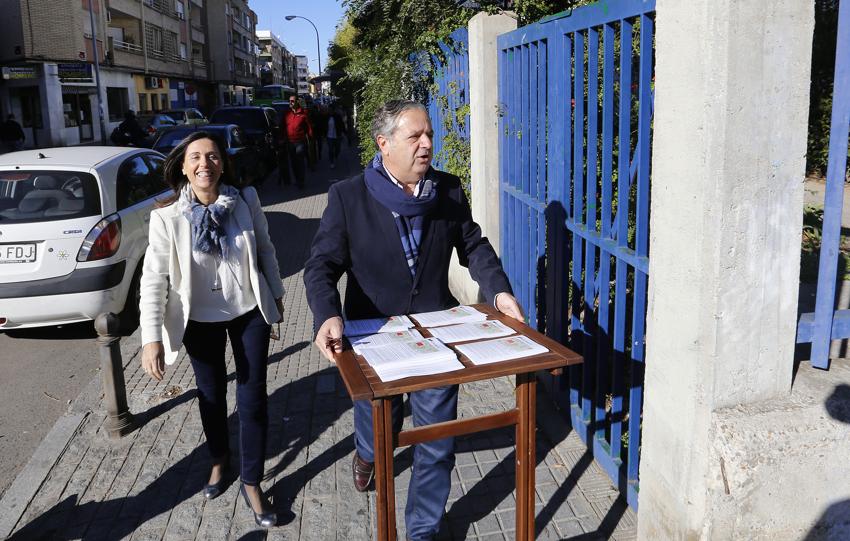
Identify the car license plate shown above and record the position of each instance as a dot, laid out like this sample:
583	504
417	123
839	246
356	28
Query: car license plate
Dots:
17	253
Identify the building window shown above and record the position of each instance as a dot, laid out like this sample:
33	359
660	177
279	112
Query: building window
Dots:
165	104
170	44
118	102
183	51
143	103
181	10
153	38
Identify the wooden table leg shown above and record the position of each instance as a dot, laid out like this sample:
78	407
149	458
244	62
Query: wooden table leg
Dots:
526	400
531	461
521	458
384	481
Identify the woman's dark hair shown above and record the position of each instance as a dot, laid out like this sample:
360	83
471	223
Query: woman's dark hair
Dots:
173	168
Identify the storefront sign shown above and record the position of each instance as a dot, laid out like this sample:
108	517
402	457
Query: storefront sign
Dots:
77	72
19	72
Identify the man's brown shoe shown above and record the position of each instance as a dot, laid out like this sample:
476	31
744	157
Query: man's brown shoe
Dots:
362	472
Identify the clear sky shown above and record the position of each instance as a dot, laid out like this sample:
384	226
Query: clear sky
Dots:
298	35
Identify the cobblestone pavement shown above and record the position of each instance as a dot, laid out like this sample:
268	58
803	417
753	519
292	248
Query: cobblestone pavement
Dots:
81	485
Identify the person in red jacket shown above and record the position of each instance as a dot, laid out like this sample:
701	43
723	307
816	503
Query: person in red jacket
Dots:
296	129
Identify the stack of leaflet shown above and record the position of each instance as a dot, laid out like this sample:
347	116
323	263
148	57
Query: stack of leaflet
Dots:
399	359
471	331
359	343
359	327
501	349
452	316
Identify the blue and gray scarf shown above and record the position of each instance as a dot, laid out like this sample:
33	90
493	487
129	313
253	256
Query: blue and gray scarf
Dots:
208	222
409	211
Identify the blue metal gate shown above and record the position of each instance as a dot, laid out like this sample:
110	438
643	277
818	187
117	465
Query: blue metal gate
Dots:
448	100
575	94
826	323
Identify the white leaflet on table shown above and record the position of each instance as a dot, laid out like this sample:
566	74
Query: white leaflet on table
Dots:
501	349
358	344
408	352
471	331
452	316
360	327
397	360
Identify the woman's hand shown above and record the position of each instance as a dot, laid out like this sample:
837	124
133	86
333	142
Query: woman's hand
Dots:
279	303
153	360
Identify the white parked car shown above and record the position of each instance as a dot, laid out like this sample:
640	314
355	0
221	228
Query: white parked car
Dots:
73	232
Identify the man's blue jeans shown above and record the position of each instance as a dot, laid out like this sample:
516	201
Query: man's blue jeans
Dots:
432	461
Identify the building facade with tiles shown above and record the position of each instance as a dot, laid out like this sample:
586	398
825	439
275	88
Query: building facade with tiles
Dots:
153	55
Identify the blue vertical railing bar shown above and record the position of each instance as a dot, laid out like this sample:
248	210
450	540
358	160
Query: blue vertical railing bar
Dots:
819	328
642	250
577	184
603	316
571	100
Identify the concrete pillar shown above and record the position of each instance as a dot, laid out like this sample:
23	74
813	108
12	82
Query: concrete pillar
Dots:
484	138
52	115
484	119
731	108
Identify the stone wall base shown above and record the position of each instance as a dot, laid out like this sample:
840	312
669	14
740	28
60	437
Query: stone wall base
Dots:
781	469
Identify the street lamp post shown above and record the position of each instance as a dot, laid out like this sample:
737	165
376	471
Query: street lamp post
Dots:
318	45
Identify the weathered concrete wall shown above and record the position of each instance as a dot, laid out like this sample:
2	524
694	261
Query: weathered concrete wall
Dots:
484	139
779	468
732	82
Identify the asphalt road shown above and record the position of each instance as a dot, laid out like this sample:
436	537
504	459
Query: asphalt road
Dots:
41	370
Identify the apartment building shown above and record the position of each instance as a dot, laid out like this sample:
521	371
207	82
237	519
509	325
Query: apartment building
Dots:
153	55
277	64
302	75
234	53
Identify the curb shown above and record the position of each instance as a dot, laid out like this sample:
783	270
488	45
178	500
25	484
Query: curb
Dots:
29	480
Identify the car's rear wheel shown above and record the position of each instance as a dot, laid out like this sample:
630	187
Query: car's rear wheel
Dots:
129	316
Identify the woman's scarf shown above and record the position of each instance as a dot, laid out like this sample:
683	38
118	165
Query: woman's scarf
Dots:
409	211
208	222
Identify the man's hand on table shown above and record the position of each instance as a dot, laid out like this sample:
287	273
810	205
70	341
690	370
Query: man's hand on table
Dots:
329	337
508	305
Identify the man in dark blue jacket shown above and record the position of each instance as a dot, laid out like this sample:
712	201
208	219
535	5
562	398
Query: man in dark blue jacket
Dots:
392	230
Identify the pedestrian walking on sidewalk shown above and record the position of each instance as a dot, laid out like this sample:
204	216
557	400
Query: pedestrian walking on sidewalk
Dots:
296	129
392	230
335	131
209	242
12	134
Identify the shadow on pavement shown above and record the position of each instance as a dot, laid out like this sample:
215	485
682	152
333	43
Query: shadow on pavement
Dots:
120	517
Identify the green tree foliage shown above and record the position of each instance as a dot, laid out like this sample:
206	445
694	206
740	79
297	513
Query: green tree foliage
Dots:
381	43
823	75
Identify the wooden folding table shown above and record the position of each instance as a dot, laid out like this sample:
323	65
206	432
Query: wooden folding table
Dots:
363	384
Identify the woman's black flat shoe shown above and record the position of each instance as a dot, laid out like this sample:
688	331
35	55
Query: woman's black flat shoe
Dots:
215	490
263	520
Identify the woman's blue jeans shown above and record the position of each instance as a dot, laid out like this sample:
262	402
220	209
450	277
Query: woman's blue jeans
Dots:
249	338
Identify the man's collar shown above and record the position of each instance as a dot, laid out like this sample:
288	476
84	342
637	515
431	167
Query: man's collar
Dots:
416	190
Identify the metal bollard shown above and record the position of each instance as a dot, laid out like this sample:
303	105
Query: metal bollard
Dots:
119	420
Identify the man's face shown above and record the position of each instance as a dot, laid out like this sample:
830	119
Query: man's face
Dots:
407	154
293	103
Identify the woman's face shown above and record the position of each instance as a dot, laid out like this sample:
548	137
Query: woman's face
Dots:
202	165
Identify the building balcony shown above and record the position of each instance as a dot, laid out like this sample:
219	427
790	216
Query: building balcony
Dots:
199	3
198	35
169	65
126	54
131	8
199	69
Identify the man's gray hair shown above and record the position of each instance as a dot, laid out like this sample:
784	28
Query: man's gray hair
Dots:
387	116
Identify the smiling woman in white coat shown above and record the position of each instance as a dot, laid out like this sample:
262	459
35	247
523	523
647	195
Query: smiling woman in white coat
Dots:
210	272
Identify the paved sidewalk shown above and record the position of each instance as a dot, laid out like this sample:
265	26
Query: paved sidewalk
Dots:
80	485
